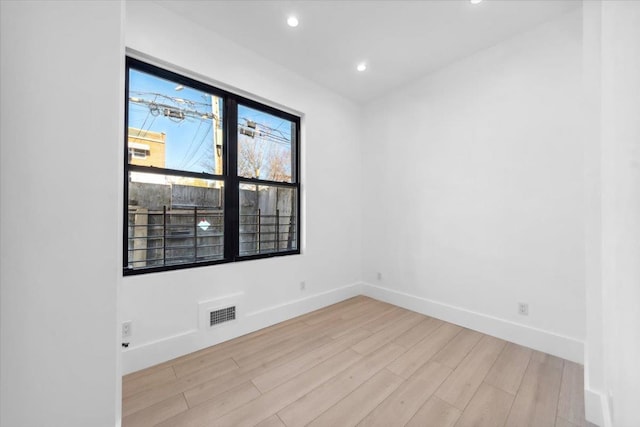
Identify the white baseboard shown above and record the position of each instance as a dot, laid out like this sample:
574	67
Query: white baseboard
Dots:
151	353
596	408
538	339
281	312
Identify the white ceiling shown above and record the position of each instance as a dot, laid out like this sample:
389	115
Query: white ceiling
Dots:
399	40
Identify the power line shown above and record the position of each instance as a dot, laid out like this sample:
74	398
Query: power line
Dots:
193	140
145	119
172	112
199	146
252	129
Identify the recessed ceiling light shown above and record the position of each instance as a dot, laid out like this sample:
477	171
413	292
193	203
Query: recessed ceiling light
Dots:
292	21
475	1
361	66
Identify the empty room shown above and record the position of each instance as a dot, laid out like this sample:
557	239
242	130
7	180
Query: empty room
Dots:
323	213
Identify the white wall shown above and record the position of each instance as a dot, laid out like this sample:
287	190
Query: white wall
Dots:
594	339
61	138
620	147
473	191
164	306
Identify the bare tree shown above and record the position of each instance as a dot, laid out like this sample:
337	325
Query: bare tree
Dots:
277	170
260	159
251	157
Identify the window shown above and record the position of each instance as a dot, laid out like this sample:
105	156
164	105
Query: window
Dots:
210	176
137	153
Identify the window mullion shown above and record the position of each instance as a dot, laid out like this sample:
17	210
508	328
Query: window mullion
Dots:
232	218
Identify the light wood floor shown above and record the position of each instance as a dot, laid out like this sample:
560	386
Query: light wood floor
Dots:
359	362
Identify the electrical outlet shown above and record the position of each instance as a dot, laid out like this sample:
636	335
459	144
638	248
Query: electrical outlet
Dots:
126	329
379	276
303	285
523	309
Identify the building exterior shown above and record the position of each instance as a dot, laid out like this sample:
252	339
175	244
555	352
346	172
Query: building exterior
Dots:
146	147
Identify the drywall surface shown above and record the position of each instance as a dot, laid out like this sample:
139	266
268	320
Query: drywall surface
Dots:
594	338
164	306
473	191
620	208
61	82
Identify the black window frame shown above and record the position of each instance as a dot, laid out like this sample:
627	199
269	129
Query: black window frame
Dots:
229	175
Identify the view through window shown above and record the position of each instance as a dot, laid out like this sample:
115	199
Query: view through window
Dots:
210	176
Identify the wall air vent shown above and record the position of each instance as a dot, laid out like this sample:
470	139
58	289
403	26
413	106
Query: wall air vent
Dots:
222	312
222	315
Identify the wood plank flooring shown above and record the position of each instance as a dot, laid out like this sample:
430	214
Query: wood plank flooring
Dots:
360	362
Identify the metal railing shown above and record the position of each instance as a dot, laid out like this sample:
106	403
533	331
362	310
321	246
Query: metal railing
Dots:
189	235
174	236
264	233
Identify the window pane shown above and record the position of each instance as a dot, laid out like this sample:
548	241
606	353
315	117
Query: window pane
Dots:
173	126
268	219
265	144
174	220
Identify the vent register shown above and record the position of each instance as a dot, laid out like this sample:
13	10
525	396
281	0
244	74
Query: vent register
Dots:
222	315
